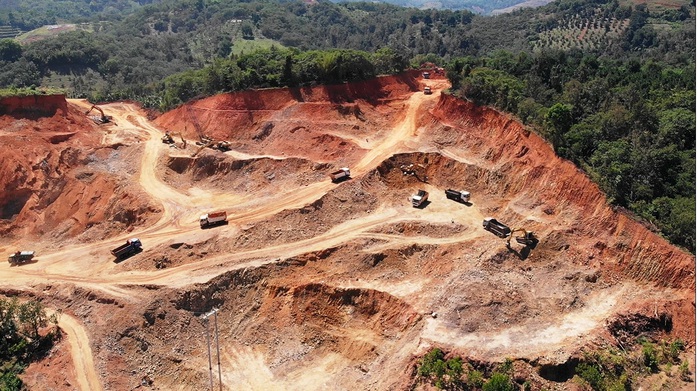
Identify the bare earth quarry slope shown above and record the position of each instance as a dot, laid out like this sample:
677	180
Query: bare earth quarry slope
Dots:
318	285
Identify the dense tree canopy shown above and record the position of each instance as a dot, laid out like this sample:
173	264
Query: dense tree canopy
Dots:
277	67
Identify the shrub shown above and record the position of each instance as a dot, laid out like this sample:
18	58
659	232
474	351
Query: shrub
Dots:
675	348
591	375
684	371
498	382
649	355
475	379
440	373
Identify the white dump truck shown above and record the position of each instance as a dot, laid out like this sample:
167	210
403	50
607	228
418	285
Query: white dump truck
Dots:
211	219
420	198
458	195
20	257
340	175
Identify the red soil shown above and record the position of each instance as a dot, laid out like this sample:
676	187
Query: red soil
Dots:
52	179
623	245
344	285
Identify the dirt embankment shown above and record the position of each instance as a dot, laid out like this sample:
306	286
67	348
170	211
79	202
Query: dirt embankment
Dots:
57	179
36	105
243	117
222	172
276	319
529	172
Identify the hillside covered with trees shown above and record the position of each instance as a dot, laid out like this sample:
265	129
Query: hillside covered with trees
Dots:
611	85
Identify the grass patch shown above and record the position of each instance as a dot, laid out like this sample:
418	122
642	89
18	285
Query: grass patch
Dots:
241	46
29	91
52	30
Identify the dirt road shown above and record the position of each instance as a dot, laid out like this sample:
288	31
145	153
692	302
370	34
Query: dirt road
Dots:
179	223
81	352
180	212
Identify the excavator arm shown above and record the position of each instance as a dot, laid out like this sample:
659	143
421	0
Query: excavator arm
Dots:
103	118
184	142
528	238
201	148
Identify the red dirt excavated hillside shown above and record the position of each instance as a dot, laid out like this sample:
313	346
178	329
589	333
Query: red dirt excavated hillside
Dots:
56	175
537	174
336	286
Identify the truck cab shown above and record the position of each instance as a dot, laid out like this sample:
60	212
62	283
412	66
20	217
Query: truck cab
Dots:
420	198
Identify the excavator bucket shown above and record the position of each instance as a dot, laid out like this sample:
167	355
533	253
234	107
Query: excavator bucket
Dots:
527	238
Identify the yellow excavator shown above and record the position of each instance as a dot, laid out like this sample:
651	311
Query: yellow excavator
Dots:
103	119
414	169
527	238
168	138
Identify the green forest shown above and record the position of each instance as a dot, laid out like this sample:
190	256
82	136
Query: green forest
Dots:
611	85
23	338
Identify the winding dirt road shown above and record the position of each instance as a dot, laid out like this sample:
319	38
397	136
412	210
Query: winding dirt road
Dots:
179	220
179	217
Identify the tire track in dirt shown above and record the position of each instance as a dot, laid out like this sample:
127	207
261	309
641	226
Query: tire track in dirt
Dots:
81	353
109	281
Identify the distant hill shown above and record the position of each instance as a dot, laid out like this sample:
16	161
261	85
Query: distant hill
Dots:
485	7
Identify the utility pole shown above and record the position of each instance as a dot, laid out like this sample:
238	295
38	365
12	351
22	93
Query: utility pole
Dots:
218	351
213	312
208	345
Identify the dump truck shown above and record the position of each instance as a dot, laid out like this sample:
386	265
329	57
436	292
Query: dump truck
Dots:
211	219
427	90
131	247
496	227
458	195
340	175
426	75
420	198
20	257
